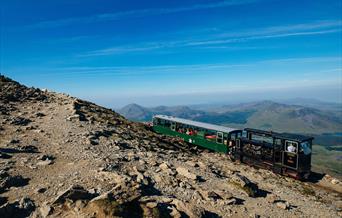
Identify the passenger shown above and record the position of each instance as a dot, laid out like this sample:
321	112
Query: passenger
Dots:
291	148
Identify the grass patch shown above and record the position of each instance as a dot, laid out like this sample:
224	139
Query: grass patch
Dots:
327	161
308	191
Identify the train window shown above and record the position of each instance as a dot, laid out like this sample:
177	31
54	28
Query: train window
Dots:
277	141
291	146
305	147
262	138
161	122
232	136
238	134
167	123
244	134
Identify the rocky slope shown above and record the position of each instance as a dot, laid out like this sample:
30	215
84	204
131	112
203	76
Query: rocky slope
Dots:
64	157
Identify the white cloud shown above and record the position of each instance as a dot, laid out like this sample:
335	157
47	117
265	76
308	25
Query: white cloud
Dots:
135	14
223	38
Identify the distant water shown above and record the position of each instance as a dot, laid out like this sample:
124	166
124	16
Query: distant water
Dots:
333	134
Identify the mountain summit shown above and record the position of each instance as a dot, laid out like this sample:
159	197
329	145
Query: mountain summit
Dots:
64	157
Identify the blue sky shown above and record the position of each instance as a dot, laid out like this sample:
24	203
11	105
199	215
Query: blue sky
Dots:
175	52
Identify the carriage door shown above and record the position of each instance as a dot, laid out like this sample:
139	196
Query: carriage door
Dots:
290	155
173	126
219	137
278	147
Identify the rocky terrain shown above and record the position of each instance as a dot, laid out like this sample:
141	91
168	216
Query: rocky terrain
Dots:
64	157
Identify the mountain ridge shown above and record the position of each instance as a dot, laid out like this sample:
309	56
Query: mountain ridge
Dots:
262	114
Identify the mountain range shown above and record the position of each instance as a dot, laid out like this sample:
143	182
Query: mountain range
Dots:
312	117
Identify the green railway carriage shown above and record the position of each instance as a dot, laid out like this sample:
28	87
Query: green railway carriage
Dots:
283	153
213	137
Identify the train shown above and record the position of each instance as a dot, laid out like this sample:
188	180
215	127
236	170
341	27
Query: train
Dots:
283	153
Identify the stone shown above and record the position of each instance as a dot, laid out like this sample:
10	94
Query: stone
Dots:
185	172
335	181
242	182
152	205
73	193
190	210
282	205
157	178
231	201
175	213
73	117
21	208
164	166
26	204
44	163
45	210
8	181
208	195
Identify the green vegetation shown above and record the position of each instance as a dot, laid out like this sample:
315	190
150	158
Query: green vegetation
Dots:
308	191
327	161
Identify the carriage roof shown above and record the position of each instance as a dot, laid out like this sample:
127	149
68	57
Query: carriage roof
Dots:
196	123
291	136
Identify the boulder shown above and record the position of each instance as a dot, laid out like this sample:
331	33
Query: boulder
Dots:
22	208
73	193
186	173
26	204
7	181
45	210
210	195
242	182
190	210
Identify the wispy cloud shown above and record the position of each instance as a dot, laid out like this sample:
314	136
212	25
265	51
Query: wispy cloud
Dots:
228	37
190	68
315	25
135	14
